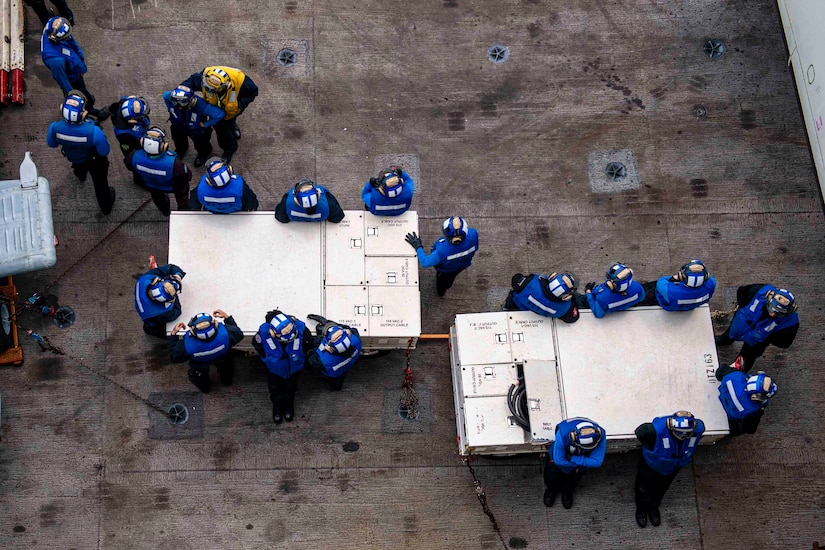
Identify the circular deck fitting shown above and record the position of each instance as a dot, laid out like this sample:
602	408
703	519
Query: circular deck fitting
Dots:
498	53
714	48
615	171
407	414
63	317
178	414
287	57
700	112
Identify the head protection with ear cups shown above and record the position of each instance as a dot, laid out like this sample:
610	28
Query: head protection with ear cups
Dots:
182	96
59	29
203	327
694	273
154	141
218	173
455	229
133	108
586	435
760	387
336	339
390	182
215	79
562	285
73	107
283	328
619	277
306	194
681	424
163	290
781	302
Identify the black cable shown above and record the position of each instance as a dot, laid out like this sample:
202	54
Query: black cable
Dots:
517	403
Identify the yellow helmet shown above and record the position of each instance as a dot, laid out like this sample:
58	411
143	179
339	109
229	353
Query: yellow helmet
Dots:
215	79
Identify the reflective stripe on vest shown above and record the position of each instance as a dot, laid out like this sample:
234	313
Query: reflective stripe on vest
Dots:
703	299
734	399
623	302
540	305
461	254
75	139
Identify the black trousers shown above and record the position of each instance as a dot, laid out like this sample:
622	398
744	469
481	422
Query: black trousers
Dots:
650	294
557	481
224	130
202	142
444	280
337	383
80	86
153	328
749	353
98	168
44	14
199	374
651	486
282	390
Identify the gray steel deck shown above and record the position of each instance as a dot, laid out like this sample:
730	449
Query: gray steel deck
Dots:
516	148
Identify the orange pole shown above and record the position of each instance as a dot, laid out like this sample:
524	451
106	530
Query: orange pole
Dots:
434	337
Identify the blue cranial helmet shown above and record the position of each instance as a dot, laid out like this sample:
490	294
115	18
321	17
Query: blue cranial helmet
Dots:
781	302
694	274
336	339
218	173
182	96
133	108
283	328
760	387
619	277
391	182
562	285
586	435
306	193
455	229
59	29
163	290
73	107
203	326
681	424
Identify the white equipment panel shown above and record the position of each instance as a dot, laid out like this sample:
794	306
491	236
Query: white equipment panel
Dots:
803	21
247	263
621	371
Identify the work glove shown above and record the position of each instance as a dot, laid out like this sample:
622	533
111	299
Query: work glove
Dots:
414	240
375	183
397	171
589	286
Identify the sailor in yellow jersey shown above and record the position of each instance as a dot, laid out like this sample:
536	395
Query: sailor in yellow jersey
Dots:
231	90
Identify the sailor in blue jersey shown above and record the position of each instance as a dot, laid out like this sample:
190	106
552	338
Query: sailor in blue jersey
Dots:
744	397
222	191
308	202
766	316
449	255
192	117
337	348
579	446
64	57
161	171
283	342
205	342
130	119
617	293
389	194
691	287
548	296
156	298
668	444
85	145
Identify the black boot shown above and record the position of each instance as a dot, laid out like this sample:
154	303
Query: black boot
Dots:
289	412
655	518
641	518
277	416
549	497
567	499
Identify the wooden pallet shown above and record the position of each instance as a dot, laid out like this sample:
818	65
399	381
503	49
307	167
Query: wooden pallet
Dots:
13	355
